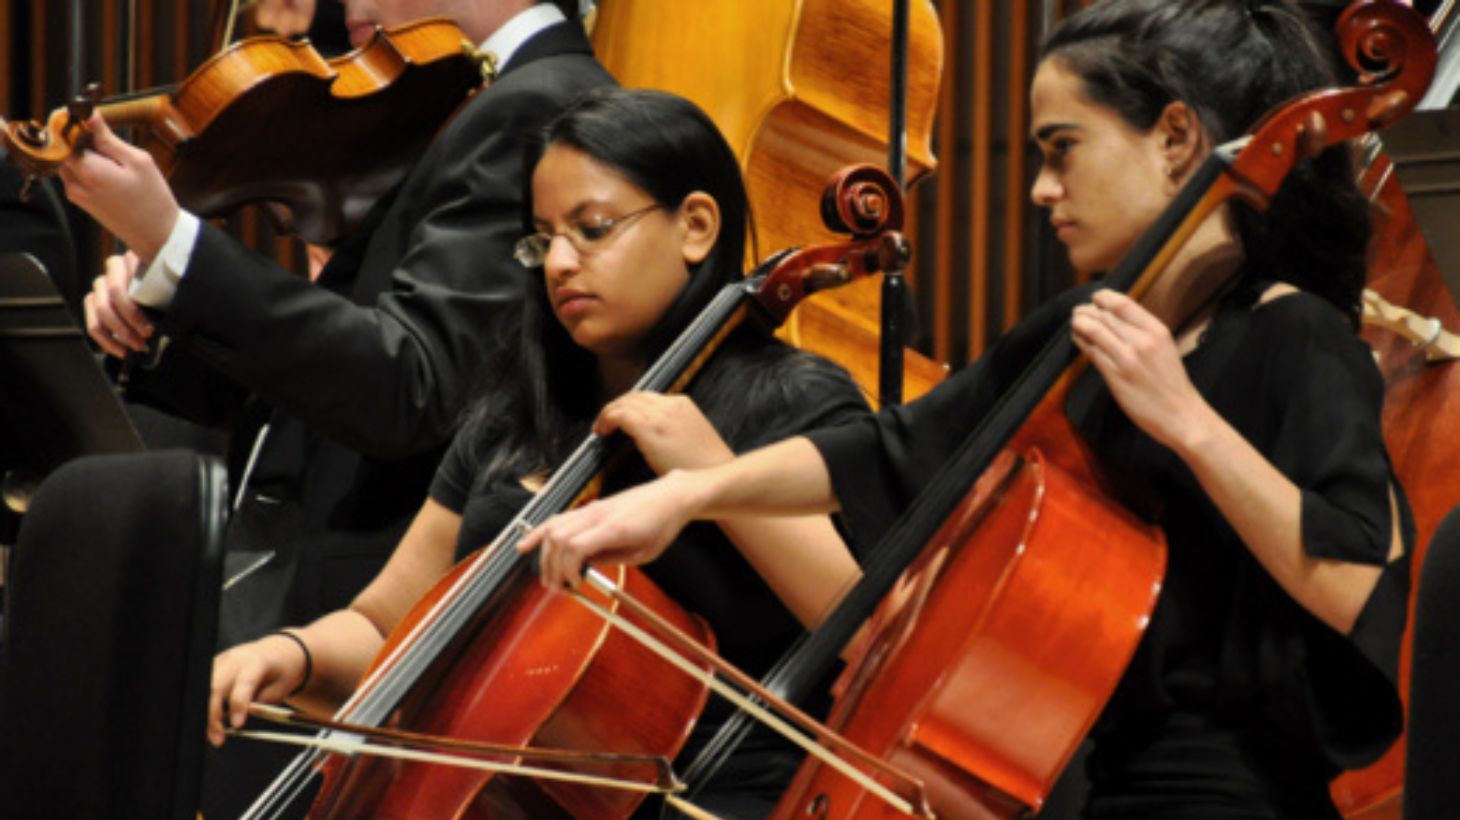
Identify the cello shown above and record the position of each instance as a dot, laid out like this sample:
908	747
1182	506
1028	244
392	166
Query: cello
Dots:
490	655
270	120
943	688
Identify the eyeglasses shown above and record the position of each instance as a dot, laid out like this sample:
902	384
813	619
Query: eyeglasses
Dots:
585	237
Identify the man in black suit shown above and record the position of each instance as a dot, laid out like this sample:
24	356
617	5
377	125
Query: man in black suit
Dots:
365	369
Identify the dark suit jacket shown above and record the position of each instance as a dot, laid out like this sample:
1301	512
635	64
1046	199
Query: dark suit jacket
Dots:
367	370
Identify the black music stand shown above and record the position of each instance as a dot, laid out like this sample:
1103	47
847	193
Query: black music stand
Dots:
55	401
1425	148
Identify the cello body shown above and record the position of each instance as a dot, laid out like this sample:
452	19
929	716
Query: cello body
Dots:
542	671
1019	619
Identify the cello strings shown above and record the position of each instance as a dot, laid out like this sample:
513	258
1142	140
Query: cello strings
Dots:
466	599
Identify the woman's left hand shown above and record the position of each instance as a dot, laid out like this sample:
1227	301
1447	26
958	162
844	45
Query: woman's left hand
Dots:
1135	353
670	431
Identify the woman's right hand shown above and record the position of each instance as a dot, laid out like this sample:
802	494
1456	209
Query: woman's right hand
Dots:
263	671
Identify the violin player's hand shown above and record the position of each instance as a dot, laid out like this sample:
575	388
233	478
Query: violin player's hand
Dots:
1134	352
670	431
115	322
267	670
122	188
285	18
632	527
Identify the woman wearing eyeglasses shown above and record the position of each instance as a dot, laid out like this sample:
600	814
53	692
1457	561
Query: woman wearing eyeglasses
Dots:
637	217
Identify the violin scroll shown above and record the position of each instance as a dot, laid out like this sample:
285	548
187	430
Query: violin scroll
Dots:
39	149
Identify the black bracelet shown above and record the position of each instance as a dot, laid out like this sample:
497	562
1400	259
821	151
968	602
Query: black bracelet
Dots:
308	660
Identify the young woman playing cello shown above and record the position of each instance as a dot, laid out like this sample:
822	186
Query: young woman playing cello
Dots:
1234	406
637	217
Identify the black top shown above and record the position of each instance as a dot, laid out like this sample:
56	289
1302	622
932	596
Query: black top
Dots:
1227	650
787	392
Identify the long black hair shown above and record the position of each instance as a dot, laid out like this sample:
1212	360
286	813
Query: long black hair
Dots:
1232	61
539	390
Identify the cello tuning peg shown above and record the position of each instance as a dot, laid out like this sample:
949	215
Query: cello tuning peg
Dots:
825	275
1388	108
1313	135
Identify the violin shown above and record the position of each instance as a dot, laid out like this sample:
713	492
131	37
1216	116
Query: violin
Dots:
270	120
490	656
1018	628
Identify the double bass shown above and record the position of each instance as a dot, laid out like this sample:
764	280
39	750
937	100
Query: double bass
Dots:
799	90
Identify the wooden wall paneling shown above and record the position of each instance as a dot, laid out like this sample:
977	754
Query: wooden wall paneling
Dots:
994	260
977	266
112	34
39	58
1015	140
144	44
944	244
7	59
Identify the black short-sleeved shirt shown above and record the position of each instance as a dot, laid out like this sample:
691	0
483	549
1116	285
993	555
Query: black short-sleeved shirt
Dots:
1228	654
786	392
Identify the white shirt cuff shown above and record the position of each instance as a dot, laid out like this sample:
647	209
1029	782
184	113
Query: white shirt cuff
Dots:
158	284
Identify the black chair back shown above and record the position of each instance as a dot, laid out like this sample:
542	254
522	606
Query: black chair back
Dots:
1432	753
109	628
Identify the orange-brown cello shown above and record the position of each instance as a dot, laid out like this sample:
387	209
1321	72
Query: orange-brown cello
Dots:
270	120
985	682
488	655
